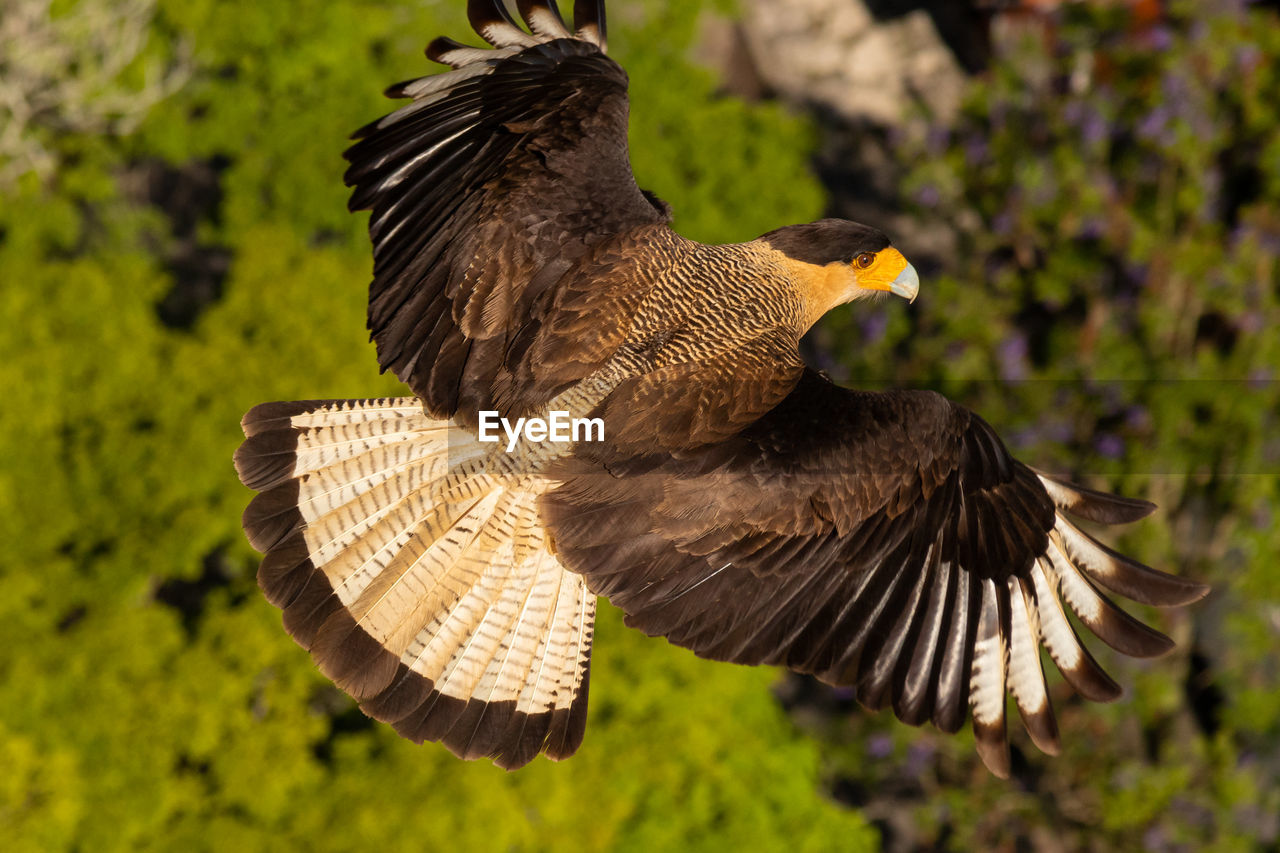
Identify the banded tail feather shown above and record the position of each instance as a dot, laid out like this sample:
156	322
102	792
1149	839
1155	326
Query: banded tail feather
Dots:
421	581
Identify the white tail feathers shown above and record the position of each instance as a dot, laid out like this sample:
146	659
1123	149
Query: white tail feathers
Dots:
421	581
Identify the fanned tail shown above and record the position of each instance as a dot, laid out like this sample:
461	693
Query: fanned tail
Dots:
420	580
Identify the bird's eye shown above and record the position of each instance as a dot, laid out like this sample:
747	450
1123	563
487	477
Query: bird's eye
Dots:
866	259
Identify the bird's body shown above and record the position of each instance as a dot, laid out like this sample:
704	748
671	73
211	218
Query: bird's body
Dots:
732	500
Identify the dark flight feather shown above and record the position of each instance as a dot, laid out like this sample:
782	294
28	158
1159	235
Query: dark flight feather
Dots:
895	589
478	186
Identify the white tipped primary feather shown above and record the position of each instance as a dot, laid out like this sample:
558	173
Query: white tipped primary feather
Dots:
1059	494
1026	678
437	83
590	33
547	24
1055	631
460	57
1082	552
990	662
1076	589
503	35
433	90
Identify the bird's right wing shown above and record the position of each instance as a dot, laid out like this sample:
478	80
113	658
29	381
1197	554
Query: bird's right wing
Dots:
884	541
495	187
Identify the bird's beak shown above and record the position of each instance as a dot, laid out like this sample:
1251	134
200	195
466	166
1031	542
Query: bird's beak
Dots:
907	284
890	272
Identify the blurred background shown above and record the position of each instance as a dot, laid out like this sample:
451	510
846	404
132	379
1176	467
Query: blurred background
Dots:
1090	190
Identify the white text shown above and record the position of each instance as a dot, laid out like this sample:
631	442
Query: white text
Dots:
557	428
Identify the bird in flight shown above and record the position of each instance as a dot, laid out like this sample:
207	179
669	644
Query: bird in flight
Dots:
444	571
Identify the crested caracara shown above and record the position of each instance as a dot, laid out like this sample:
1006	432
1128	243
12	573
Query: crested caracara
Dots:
737	502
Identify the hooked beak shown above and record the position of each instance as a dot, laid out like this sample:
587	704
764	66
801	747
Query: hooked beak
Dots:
890	271
907	284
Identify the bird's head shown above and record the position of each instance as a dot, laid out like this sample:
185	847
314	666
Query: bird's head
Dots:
836	261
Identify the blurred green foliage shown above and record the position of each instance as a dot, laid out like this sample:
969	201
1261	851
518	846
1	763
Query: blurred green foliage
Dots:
1112	310
149	698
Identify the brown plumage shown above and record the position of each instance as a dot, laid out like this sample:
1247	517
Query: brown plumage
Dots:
738	504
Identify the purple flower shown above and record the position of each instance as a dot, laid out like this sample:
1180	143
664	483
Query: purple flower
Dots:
1160	38
1094	128
1155	839
1247	57
919	756
1174	88
936	140
1057	432
1091	228
1012	356
975	152
1020	439
879	746
1154	126
1136	272
1260	377
928	196
873	327
1109	446
1002	225
1137	418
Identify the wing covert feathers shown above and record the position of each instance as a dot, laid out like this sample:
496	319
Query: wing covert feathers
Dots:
421	584
884	542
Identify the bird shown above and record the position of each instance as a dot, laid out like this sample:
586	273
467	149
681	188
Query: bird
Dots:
722	494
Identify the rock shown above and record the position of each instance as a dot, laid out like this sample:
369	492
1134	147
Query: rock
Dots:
839	54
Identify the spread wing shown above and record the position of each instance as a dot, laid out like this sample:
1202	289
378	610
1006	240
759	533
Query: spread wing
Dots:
885	541
488	190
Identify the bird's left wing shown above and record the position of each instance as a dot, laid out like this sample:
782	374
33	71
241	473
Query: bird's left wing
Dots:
884	541
492	190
